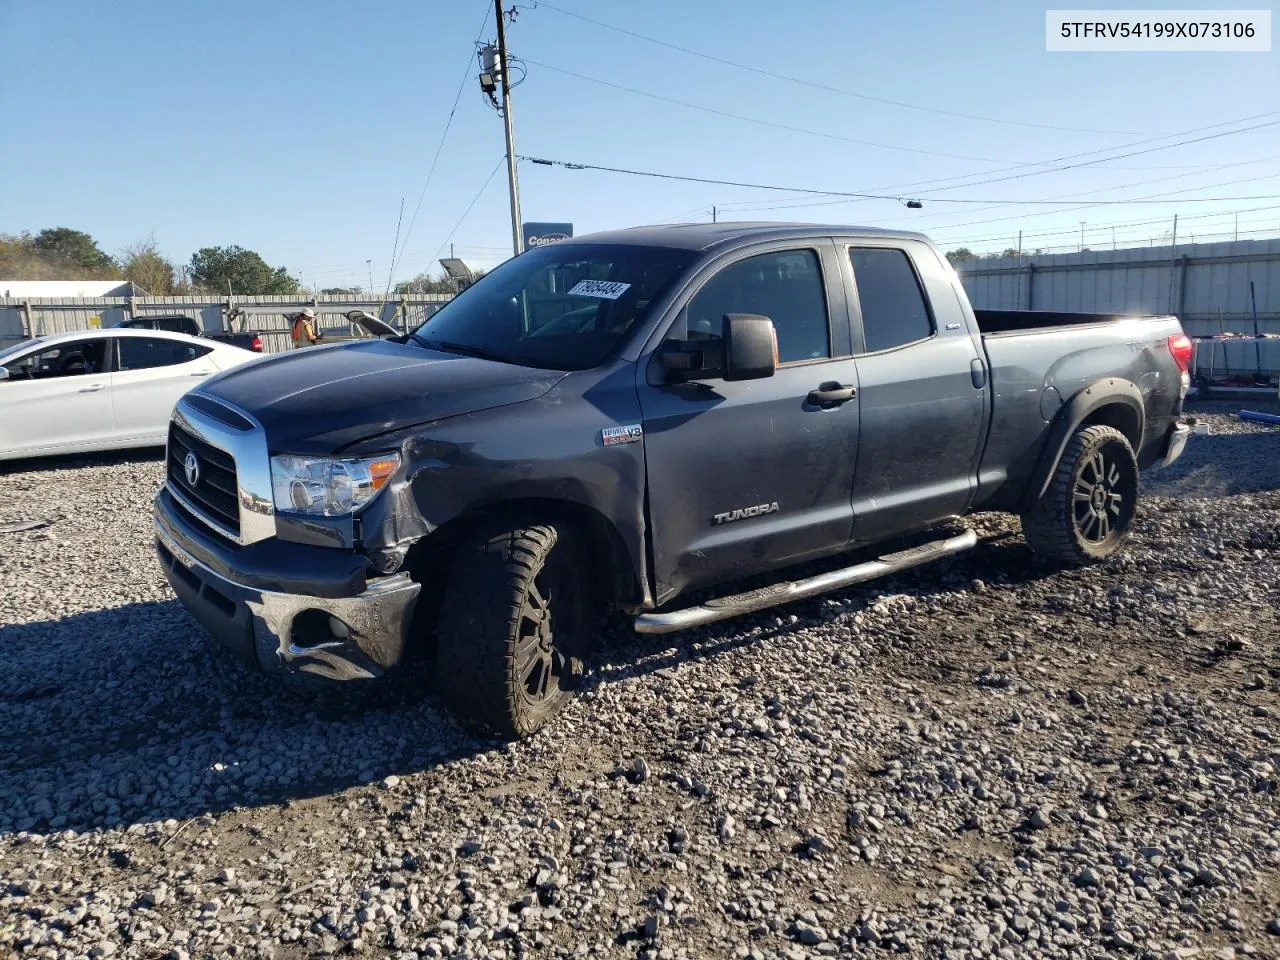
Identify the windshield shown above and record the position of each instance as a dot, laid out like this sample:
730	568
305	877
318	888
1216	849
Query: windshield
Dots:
6	352
562	306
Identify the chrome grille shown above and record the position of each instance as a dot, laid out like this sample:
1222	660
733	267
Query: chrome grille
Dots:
215	491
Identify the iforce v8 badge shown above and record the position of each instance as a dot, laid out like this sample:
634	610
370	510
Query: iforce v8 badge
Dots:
631	433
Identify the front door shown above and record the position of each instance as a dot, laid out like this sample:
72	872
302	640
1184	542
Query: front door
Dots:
57	399
746	476
923	399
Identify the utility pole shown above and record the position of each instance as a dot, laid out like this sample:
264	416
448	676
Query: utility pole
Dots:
1113	238
513	180
1172	263
1019	244
1237	233
1082	236
713	214
369	263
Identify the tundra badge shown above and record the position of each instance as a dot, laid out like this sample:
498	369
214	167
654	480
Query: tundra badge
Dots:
744	513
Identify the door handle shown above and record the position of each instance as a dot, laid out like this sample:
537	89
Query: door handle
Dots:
977	373
92	388
832	395
200	373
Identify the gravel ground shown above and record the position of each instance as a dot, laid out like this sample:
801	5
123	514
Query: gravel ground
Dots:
976	759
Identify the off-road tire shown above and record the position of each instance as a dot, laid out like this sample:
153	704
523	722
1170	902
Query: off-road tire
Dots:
1085	514
503	584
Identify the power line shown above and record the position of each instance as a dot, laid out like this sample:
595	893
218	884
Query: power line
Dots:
1110	224
1155	197
465	213
395	248
871	143
916	185
1119	156
746	205
764	123
479	193
443	136
861	196
821	86
1162	197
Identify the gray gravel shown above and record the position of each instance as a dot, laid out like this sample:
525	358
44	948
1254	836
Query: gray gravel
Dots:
979	759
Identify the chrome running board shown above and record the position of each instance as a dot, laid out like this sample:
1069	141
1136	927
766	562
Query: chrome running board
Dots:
761	598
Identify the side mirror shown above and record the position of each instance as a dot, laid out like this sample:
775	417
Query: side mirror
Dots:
684	360
750	347
747	349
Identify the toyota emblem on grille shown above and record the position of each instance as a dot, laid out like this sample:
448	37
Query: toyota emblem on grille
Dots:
191	465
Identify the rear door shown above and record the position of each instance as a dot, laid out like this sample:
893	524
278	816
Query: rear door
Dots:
151	373
746	476
57	398
922	387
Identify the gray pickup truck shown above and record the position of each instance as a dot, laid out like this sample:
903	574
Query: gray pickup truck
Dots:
644	422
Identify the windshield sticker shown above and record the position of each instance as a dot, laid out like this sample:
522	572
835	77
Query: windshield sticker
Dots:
601	289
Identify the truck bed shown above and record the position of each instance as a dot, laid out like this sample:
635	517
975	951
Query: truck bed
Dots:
1040	358
1026	321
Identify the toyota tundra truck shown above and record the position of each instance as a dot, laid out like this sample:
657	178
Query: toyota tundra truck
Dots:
642	423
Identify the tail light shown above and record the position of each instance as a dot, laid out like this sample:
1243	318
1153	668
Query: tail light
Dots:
256	346
1180	347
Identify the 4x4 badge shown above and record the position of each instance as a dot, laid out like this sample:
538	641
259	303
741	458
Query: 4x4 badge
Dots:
631	433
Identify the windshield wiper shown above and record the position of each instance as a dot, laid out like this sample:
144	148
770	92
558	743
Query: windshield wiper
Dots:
463	348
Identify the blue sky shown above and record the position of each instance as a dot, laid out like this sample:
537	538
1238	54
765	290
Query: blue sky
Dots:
295	129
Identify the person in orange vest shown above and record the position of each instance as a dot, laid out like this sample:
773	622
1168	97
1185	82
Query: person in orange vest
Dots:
304	329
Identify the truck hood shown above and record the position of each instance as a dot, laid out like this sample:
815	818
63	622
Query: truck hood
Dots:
321	399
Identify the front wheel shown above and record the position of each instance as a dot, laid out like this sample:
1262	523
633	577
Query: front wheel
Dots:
513	629
1085	514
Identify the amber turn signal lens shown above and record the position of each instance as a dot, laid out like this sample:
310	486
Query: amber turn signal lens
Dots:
381	470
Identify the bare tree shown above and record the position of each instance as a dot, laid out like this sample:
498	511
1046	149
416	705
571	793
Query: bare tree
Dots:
144	265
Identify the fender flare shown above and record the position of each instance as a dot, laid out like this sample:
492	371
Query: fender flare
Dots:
1110	391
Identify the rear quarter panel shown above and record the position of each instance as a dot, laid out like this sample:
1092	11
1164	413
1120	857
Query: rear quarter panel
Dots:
1035	373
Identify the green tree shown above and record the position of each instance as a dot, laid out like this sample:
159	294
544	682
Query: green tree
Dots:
146	267
76	250
213	268
961	256
19	259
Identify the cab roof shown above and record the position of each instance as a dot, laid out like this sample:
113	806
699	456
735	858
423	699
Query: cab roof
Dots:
704	236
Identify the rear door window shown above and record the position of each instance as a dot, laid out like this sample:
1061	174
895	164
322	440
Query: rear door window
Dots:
894	309
145	353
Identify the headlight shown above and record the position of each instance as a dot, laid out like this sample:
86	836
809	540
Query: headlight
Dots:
328	487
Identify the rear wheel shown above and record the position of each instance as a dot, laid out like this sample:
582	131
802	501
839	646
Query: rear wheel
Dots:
1085	514
513	629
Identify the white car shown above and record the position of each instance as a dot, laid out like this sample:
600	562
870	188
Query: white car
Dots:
100	389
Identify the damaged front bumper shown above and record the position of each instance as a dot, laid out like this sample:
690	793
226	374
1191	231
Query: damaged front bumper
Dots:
290	608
